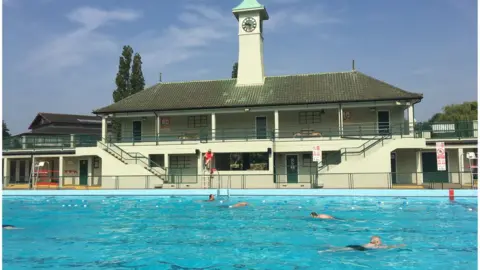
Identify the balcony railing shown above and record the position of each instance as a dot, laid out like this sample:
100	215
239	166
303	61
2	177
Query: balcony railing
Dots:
440	130
58	142
447	130
387	180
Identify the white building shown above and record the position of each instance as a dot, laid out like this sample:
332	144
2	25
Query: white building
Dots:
262	130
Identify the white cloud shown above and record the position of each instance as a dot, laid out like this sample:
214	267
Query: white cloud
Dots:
306	16
74	48
198	27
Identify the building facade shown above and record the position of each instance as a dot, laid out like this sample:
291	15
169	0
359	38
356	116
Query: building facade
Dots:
262	130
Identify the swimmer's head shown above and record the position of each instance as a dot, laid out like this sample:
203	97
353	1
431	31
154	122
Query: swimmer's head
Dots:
313	214
375	240
211	197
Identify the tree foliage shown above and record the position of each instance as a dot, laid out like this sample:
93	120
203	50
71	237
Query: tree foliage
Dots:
5	131
123	75
137	80
235	70
466	111
129	80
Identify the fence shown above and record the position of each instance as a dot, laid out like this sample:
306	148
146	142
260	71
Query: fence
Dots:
456	180
437	130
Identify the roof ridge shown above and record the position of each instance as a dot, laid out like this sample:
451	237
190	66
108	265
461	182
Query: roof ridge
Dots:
164	83
311	74
69	114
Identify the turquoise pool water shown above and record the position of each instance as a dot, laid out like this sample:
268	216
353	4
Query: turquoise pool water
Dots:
272	233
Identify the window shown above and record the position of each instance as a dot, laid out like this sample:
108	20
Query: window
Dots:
241	161
307	160
197	121
309	117
157	160
179	162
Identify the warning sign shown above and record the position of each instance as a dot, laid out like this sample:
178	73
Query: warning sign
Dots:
441	160
317	154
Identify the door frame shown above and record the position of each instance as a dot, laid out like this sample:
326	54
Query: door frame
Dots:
396	166
389	120
141	130
286	166
266	126
79	170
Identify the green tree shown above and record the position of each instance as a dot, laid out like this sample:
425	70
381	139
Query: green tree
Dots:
235	70
123	75
137	81
466	111
5	131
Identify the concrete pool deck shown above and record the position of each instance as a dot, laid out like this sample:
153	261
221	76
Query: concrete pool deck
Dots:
247	192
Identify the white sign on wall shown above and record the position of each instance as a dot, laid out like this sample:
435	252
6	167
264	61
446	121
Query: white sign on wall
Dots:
441	160
317	154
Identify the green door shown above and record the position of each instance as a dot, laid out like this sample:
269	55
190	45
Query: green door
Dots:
292	168
83	172
430	172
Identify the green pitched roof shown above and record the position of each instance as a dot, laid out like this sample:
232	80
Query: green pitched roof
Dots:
248	4
338	87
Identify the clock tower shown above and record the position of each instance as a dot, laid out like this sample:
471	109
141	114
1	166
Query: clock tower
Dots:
250	15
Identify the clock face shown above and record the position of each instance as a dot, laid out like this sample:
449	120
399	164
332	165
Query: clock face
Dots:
249	24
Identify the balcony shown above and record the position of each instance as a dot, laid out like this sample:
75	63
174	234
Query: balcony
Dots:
53	142
447	130
440	130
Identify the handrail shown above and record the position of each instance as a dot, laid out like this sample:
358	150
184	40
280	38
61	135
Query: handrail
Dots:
136	158
363	148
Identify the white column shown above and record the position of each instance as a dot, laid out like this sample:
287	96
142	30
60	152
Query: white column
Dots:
17	170
461	165
24	142
214	126
157	125
60	171
340	120
6	171
90	171
104	128
418	158
72	140
27	169
277	126
411	121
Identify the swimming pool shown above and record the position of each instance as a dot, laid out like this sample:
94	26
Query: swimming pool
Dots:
273	233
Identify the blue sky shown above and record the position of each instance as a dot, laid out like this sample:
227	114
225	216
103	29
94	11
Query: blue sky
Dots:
62	56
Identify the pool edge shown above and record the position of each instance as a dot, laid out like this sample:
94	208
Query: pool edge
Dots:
246	192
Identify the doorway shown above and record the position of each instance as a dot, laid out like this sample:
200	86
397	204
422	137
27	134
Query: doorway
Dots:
429	168
292	168
383	122
137	131
261	127
83	172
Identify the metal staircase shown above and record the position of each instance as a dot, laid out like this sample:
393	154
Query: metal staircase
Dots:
133	158
360	151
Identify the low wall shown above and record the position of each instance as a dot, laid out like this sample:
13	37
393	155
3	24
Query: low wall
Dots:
247	192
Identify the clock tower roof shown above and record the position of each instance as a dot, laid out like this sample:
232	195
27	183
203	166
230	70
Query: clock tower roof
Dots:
251	5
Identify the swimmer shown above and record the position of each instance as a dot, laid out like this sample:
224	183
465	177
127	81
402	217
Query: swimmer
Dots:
211	198
10	227
240	204
375	243
321	216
